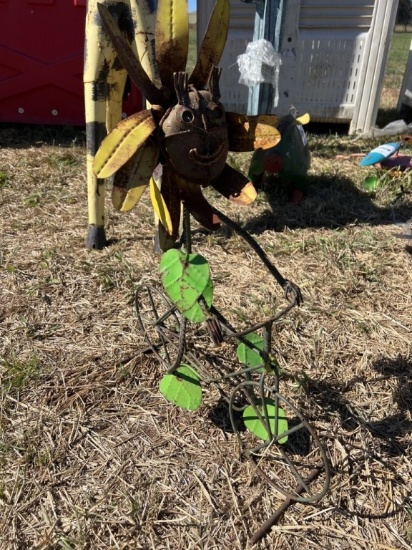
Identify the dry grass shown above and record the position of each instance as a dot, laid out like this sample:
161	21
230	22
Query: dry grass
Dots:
91	455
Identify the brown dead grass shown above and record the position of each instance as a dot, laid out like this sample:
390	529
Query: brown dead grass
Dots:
91	455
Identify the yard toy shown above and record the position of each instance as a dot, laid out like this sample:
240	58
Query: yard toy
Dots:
289	159
104	83
401	162
380	154
387	155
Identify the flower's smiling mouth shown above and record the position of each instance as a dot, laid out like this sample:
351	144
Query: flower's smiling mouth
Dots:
208	159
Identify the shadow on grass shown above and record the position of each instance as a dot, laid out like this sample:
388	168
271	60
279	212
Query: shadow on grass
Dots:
328	203
401	369
385	444
361	479
331	396
24	136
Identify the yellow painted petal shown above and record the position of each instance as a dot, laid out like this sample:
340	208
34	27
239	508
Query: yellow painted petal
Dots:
144	18
133	177
128	59
122	142
172	38
213	43
247	194
247	133
160	207
124	200
171	196
304	119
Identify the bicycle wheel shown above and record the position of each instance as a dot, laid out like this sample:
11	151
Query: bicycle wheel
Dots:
163	327
291	458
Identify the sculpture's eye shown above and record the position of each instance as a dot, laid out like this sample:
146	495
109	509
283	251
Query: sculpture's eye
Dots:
215	113
187	116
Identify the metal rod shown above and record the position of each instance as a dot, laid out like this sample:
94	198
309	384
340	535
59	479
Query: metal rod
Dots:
270	522
253	244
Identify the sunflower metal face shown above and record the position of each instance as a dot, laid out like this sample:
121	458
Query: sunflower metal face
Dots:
186	129
196	137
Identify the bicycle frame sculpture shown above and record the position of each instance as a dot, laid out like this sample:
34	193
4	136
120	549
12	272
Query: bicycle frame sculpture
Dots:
252	389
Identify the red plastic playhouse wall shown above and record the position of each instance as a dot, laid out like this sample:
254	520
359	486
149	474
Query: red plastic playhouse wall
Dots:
41	62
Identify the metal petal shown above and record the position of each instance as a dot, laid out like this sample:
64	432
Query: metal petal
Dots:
303	119
132	178
172	39
160	207
124	200
247	133
170	192
128	59
192	197
235	186
122	142
144	17
213	44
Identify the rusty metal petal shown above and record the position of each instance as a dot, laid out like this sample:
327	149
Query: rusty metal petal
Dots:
128	59
235	186
193	199
250	132
213	44
172	39
132	178
122	143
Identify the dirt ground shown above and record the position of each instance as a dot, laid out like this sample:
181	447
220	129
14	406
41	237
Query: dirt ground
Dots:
93	457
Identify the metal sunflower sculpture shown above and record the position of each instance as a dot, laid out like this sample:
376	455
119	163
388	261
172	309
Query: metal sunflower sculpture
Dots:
186	129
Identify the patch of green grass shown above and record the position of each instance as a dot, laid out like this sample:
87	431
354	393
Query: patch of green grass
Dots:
32	200
394	73
4	179
62	160
16	374
398	56
192	55
399	48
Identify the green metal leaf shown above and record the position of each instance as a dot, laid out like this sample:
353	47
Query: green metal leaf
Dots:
198	312
258	428
248	356
182	388
184	277
252	358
